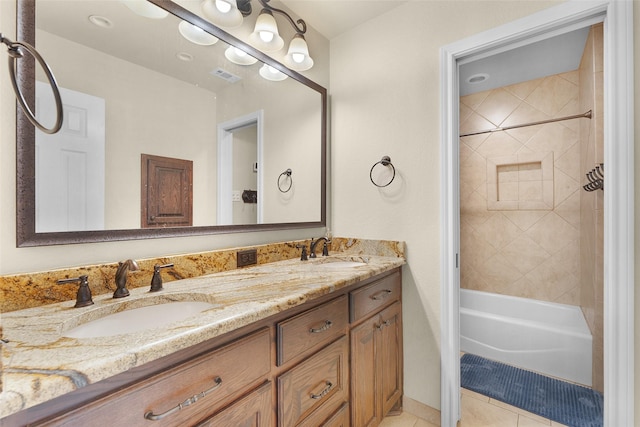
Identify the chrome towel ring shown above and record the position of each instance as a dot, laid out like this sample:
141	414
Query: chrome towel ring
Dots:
15	50
386	161
286	174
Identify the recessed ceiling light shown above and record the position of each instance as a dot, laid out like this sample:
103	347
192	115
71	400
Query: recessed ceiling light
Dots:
101	21
478	78
184	56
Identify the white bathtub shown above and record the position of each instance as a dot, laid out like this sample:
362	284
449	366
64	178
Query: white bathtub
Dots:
548	338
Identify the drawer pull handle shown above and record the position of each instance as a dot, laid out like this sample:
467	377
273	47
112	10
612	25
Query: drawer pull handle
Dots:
190	401
324	392
327	325
383	324
381	295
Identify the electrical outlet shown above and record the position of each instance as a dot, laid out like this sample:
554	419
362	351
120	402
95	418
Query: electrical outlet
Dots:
236	196
248	257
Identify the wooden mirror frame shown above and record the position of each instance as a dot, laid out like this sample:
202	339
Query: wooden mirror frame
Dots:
26	235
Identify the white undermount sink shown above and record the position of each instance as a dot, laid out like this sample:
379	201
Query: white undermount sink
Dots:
138	319
336	263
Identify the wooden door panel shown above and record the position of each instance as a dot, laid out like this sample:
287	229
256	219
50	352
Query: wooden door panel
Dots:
167	192
390	357
364	399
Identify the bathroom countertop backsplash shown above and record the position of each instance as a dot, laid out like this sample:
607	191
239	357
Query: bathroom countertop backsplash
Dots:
21	291
39	353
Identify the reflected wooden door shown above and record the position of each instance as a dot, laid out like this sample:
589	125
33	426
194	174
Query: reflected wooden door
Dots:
167	192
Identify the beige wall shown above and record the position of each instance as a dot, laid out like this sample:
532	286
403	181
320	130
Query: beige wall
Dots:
386	101
512	240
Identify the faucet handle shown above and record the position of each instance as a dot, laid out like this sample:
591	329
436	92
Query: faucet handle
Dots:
325	247
83	297
303	255
156	279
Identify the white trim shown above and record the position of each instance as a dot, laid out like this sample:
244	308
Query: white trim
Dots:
619	215
618	196
225	165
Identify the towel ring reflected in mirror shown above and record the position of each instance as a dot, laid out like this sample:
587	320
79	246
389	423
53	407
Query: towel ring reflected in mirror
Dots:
386	161
285	174
15	51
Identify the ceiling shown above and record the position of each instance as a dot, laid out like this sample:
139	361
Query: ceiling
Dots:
547	57
334	17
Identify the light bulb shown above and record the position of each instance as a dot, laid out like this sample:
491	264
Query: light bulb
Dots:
241	53
223	13
266	36
223	6
297	57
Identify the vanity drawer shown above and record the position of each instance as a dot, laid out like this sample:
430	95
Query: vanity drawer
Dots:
340	418
223	375
369	299
312	329
314	388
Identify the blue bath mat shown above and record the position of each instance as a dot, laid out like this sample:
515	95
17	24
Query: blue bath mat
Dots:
560	401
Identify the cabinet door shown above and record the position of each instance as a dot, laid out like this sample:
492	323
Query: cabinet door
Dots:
364	399
252	411
389	357
376	367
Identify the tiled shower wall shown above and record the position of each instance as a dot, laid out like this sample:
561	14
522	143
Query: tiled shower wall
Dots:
592	211
520	221
553	252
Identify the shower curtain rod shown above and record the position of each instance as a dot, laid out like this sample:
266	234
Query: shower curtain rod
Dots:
541	122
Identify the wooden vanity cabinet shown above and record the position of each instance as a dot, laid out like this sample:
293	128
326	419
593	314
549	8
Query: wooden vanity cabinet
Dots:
376	351
254	410
332	362
184	395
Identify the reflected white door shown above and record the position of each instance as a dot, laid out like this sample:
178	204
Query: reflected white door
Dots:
70	164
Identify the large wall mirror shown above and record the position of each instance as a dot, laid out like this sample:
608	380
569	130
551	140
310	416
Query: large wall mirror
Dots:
165	134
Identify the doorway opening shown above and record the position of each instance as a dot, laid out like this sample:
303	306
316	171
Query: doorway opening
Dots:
618	203
240	157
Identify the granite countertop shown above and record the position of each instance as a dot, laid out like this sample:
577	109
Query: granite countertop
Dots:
40	363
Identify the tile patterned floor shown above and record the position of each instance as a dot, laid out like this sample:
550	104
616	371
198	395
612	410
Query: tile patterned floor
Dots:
479	411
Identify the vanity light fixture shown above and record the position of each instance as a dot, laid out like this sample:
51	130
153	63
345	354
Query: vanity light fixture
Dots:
239	56
195	34
266	37
224	13
297	57
270	73
146	9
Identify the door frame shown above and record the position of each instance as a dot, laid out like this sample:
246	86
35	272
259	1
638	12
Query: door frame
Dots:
618	197
225	165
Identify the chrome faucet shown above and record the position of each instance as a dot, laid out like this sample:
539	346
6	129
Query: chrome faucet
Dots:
314	243
121	277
